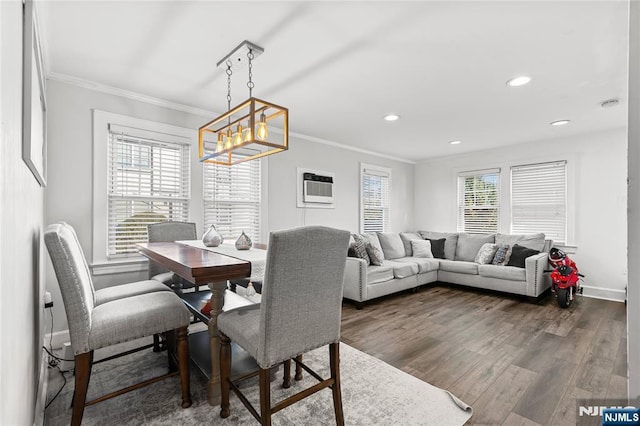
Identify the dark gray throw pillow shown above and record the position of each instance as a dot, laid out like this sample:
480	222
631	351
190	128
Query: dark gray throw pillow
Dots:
437	247
519	255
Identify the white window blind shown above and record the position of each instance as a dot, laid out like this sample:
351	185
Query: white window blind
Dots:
232	199
479	201
375	199
148	182
539	199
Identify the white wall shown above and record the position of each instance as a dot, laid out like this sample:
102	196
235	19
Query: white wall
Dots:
633	304
69	192
597	172
345	163
21	211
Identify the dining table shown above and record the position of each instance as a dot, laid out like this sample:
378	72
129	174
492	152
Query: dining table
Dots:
212	266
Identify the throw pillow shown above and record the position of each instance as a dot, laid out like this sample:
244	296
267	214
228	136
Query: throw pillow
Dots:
359	249
375	254
486	253
437	247
500	258
407	237
421	248
451	240
519	254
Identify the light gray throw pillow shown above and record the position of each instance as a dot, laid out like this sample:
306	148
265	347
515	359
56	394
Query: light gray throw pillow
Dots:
407	237
486	253
421	248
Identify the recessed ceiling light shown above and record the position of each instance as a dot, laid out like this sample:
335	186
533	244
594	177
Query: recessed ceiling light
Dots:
519	81
559	122
455	142
391	117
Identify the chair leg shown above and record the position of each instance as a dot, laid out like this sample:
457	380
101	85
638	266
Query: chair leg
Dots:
286	381
298	376
334	361
170	338
83	372
225	372
265	396
183	362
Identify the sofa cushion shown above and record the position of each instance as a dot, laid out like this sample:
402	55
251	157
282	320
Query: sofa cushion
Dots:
502	272
407	237
532	241
469	245
451	240
392	245
422	248
519	254
424	264
375	254
402	269
460	266
379	274
486	253
437	247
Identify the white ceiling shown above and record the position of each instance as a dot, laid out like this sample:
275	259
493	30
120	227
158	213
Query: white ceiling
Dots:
341	66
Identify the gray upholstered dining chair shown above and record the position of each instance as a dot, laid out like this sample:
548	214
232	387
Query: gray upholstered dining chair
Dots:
116	319
300	311
165	232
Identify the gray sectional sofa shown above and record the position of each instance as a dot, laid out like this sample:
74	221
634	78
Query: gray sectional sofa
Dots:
401	270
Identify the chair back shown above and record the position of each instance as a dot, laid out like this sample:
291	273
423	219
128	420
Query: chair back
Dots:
302	292
74	279
166	232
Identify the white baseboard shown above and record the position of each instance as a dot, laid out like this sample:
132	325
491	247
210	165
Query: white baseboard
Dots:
57	339
612	294
41	396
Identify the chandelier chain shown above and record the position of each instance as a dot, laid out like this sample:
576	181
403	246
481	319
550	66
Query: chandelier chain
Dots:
250	83
229	73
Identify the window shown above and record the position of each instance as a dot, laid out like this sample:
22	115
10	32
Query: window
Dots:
479	201
232	199
374	209
148	182
539	200
141	174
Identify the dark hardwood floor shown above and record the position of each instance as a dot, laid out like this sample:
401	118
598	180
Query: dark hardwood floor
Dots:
515	362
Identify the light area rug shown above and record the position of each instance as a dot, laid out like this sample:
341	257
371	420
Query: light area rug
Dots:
373	392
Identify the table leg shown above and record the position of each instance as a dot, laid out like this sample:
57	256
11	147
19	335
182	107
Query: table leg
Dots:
217	302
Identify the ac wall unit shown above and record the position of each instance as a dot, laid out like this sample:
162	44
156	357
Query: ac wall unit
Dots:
317	188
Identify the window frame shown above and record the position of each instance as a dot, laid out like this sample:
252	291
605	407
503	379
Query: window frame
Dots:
381	170
460	198
101	263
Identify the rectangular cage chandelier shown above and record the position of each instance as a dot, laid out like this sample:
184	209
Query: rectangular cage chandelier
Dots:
250	130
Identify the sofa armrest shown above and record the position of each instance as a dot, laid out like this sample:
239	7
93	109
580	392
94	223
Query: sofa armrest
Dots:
537	280
355	279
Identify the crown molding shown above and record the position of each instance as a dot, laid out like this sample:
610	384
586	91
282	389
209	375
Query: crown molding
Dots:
111	90
87	84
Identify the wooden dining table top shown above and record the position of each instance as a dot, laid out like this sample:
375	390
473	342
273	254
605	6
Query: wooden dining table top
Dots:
194	264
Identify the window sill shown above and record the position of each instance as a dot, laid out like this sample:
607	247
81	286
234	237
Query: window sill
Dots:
567	248
119	266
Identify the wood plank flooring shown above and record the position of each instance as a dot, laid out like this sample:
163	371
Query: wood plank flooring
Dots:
515	362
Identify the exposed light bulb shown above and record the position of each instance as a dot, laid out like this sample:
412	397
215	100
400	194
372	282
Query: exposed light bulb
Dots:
248	133
220	144
262	133
237	139
229	141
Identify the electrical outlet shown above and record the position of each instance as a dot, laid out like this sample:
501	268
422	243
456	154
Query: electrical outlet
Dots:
48	303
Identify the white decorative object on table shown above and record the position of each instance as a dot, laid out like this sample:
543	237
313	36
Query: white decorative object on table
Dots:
243	242
212	237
